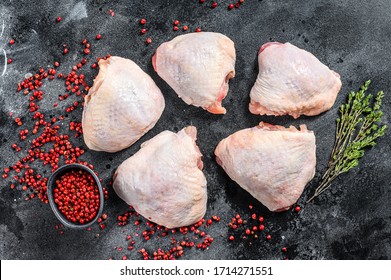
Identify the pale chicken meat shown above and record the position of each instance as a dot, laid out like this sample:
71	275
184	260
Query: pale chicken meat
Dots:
123	104
164	181
198	67
271	162
292	81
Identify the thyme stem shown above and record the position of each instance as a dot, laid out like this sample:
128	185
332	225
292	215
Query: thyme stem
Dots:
356	129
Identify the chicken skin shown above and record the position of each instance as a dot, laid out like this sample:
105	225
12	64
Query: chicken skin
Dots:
271	162
198	67
163	181
292	81
123	104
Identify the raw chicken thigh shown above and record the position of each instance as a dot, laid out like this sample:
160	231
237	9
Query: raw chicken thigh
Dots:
163	181
123	104
271	162
292	81
198	67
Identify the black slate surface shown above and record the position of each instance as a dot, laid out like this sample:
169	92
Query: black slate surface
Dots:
350	221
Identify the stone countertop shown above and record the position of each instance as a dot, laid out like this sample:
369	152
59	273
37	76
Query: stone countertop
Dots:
350	221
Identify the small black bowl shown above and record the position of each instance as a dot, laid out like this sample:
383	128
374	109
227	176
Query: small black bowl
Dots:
51	186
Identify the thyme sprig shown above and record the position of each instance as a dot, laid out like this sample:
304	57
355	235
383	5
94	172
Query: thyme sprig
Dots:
357	128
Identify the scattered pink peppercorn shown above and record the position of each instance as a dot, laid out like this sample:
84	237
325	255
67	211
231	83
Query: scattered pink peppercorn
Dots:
268	237
297	208
9	61
185	28
284	249
148	41
176	22
202	1
143	31
143	21
214	5
58	19
175	28
231	238
12	41
230	6
198	29
65	51
98	37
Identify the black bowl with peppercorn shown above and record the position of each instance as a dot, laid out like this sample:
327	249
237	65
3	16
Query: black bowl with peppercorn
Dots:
75	195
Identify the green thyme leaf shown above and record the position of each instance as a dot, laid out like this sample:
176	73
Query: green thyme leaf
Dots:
357	128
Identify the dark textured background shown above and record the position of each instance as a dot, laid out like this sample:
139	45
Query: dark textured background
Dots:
351	221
